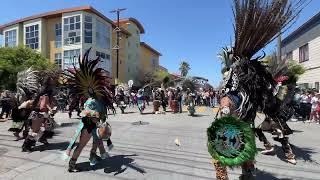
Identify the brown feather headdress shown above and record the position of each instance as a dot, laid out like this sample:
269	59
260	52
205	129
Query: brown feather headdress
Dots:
89	80
258	22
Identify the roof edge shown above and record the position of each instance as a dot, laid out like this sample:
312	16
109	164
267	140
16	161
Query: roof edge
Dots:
150	48
301	28
61	11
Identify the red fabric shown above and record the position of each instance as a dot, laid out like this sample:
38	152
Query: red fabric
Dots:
281	78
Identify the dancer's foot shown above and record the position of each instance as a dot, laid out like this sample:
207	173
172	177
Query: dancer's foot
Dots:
110	147
105	155
291	158
269	150
94	158
27	145
44	141
18	138
72	166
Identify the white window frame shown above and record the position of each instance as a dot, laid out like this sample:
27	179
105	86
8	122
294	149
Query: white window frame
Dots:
67	24
304	53
67	58
58	59
32	32
6	39
58	36
88	31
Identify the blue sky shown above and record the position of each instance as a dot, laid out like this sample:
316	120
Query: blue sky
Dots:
194	31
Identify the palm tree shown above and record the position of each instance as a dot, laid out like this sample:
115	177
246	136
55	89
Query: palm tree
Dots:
184	68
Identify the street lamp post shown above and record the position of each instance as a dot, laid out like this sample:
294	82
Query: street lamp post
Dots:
117	47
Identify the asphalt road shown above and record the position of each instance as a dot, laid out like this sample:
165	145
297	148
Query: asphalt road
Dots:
148	151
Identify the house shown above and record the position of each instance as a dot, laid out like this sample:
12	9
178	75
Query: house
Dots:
303	46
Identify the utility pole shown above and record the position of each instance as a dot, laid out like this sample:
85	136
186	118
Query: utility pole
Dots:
117	47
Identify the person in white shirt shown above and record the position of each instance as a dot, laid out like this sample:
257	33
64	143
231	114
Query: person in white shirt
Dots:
305	106
314	104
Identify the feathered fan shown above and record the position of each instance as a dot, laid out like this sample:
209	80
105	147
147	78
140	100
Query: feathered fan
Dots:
89	80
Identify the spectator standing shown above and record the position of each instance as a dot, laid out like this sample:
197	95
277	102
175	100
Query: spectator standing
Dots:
6	103
179	99
305	106
314	103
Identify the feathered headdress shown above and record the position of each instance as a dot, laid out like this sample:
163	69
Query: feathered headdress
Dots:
89	80
258	22
27	84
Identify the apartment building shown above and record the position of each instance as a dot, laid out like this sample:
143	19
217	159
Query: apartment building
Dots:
303	46
149	58
64	35
131	61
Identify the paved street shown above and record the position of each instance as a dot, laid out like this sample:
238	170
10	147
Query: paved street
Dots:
149	152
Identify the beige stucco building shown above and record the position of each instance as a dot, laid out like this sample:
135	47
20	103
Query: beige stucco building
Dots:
303	46
64	35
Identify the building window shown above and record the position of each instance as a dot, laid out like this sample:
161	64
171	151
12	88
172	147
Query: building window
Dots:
129	56
154	63
317	86
103	35
10	38
58	59
32	36
70	58
105	60
88	29
72	31
304	53
58	33
289	56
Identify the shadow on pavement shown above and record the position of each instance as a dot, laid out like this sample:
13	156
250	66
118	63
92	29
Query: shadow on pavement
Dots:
52	146
147	113
69	124
200	115
297	131
300	153
263	175
115	164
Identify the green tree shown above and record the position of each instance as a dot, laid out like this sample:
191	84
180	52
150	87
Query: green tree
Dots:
14	60
184	68
284	67
189	84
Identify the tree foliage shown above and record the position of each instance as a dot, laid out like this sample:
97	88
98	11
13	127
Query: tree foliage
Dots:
184	68
14	60
284	67
189	84
157	78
